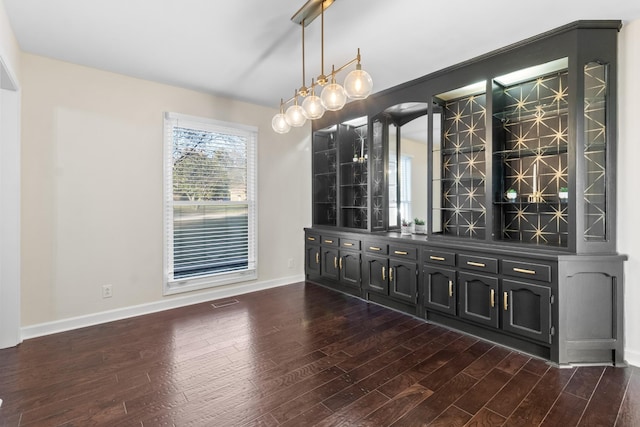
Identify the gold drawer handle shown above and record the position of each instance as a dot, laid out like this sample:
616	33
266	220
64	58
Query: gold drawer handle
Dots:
311	238
348	244
328	241
317	257
383	275
335	262
523	270
374	248
493	298
450	288
401	252
436	258
505	301
340	263
476	264
391	274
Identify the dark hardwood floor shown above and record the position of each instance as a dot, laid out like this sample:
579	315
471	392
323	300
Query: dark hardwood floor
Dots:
299	355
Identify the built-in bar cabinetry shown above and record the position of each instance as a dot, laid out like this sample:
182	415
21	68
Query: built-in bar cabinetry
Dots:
509	159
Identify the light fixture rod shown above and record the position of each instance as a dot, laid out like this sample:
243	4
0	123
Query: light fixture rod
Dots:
304	80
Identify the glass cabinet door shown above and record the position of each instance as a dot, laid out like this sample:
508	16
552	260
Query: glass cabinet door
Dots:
531	135
459	164
354	159
325	158
378	182
595	152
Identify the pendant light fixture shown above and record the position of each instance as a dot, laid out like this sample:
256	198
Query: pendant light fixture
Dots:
279	123
312	104
295	116
357	85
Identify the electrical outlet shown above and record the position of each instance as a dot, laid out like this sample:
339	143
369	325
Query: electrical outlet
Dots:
107	291
291	263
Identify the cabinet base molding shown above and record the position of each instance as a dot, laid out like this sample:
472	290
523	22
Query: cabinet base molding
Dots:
524	346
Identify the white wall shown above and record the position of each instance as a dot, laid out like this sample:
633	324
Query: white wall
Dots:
9	185
92	188
628	166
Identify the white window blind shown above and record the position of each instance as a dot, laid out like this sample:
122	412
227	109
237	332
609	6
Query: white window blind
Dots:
210	203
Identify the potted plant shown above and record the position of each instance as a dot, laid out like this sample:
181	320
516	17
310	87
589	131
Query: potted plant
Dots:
405	227
512	194
420	228
563	194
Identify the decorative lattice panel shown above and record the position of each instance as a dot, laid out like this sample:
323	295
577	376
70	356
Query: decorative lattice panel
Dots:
463	167
535	159
595	154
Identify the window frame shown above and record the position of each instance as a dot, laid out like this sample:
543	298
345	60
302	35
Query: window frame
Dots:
172	285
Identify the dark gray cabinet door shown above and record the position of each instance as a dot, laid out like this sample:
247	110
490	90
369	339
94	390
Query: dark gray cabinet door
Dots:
403	280
526	310
376	270
329	263
349	264
439	287
478	298
312	259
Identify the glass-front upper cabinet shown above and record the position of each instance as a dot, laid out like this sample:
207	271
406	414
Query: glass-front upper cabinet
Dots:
531	141
325	172
353	175
459	175
340	175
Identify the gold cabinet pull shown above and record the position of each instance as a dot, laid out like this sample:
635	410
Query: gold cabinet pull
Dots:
450	288
317	257
374	248
523	270
335	262
328	241
436	258
391	274
493	298
383	275
311	238
505	301
347	244
340	263
401	252
476	264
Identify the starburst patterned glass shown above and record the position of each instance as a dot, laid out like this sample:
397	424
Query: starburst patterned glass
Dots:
354	159
324	177
463	163
535	160
377	174
595	153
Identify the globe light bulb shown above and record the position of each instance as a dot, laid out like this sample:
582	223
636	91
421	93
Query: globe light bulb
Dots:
279	124
358	84
295	116
312	106
333	97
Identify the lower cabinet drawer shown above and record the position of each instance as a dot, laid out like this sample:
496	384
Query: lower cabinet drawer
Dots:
478	263
376	248
527	270
329	241
312	238
406	252
352	244
439	257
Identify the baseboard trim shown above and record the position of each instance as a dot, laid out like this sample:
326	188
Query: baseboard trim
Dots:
71	323
632	357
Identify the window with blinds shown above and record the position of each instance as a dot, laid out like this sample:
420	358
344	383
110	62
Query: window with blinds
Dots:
210	203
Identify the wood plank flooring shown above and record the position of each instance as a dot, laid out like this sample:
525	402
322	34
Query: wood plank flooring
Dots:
299	355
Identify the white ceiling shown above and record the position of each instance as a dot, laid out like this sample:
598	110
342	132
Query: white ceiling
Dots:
250	49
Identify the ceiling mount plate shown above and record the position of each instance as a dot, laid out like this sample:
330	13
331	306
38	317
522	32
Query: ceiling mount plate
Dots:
310	11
